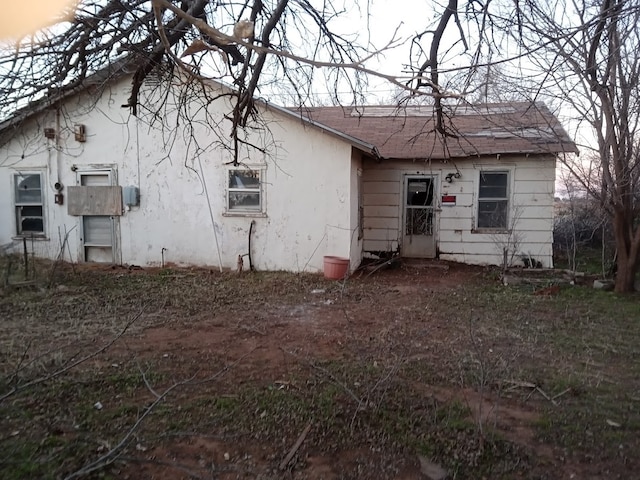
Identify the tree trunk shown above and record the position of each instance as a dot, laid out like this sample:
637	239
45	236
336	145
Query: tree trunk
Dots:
628	246
625	278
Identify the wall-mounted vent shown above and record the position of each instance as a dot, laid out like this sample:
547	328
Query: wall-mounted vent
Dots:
50	133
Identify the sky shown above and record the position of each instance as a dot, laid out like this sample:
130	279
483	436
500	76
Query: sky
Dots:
376	21
383	21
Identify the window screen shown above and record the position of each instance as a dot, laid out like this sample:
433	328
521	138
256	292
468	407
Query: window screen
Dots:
28	204
493	200
244	190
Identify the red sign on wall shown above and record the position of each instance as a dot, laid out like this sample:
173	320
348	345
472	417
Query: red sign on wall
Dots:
448	200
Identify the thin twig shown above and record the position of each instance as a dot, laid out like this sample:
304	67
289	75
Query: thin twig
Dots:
328	374
380	381
74	364
176	466
567	390
222	371
546	396
109	457
19	365
114	453
146	381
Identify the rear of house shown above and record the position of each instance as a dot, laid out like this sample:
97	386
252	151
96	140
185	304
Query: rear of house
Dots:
84	180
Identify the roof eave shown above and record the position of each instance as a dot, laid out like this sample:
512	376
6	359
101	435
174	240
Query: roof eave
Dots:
554	151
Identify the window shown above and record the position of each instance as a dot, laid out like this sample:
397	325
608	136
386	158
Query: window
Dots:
29	204
493	200
244	191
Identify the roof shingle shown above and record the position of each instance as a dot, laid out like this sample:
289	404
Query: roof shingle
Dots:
489	129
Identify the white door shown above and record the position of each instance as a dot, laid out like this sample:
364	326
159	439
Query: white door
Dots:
418	239
98	231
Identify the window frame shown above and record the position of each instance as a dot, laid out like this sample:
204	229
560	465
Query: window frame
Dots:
258	211
97	172
506	199
84	178
18	205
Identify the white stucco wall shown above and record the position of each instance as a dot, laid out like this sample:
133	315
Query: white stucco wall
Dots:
308	177
531	194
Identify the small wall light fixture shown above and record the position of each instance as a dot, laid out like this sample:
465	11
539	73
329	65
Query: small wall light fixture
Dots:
449	178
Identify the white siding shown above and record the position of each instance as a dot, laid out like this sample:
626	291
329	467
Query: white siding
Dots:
531	193
388	223
372	187
382	213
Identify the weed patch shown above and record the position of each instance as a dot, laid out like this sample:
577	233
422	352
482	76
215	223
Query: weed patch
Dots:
480	378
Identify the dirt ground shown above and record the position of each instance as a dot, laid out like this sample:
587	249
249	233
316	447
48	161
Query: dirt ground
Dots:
323	326
391	375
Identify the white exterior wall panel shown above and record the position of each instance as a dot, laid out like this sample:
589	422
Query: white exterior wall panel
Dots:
386	223
531	192
307	182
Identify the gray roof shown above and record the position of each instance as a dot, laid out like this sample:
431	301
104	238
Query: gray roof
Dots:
489	129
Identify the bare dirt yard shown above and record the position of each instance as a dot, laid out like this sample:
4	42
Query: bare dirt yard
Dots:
424	371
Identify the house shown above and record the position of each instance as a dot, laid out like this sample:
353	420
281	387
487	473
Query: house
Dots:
85	180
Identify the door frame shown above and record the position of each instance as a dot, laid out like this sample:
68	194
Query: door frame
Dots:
111	172
433	244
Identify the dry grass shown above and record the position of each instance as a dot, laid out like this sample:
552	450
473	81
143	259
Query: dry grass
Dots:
384	368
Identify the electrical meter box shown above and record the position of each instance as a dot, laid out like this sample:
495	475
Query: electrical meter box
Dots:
131	196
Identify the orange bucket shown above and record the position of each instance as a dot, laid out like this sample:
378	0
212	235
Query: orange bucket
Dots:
335	268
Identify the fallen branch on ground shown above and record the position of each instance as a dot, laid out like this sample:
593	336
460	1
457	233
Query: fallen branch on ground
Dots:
113	454
330	375
295	447
109	457
534	388
73	364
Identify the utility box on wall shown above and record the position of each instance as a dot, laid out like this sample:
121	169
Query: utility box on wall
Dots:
131	196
